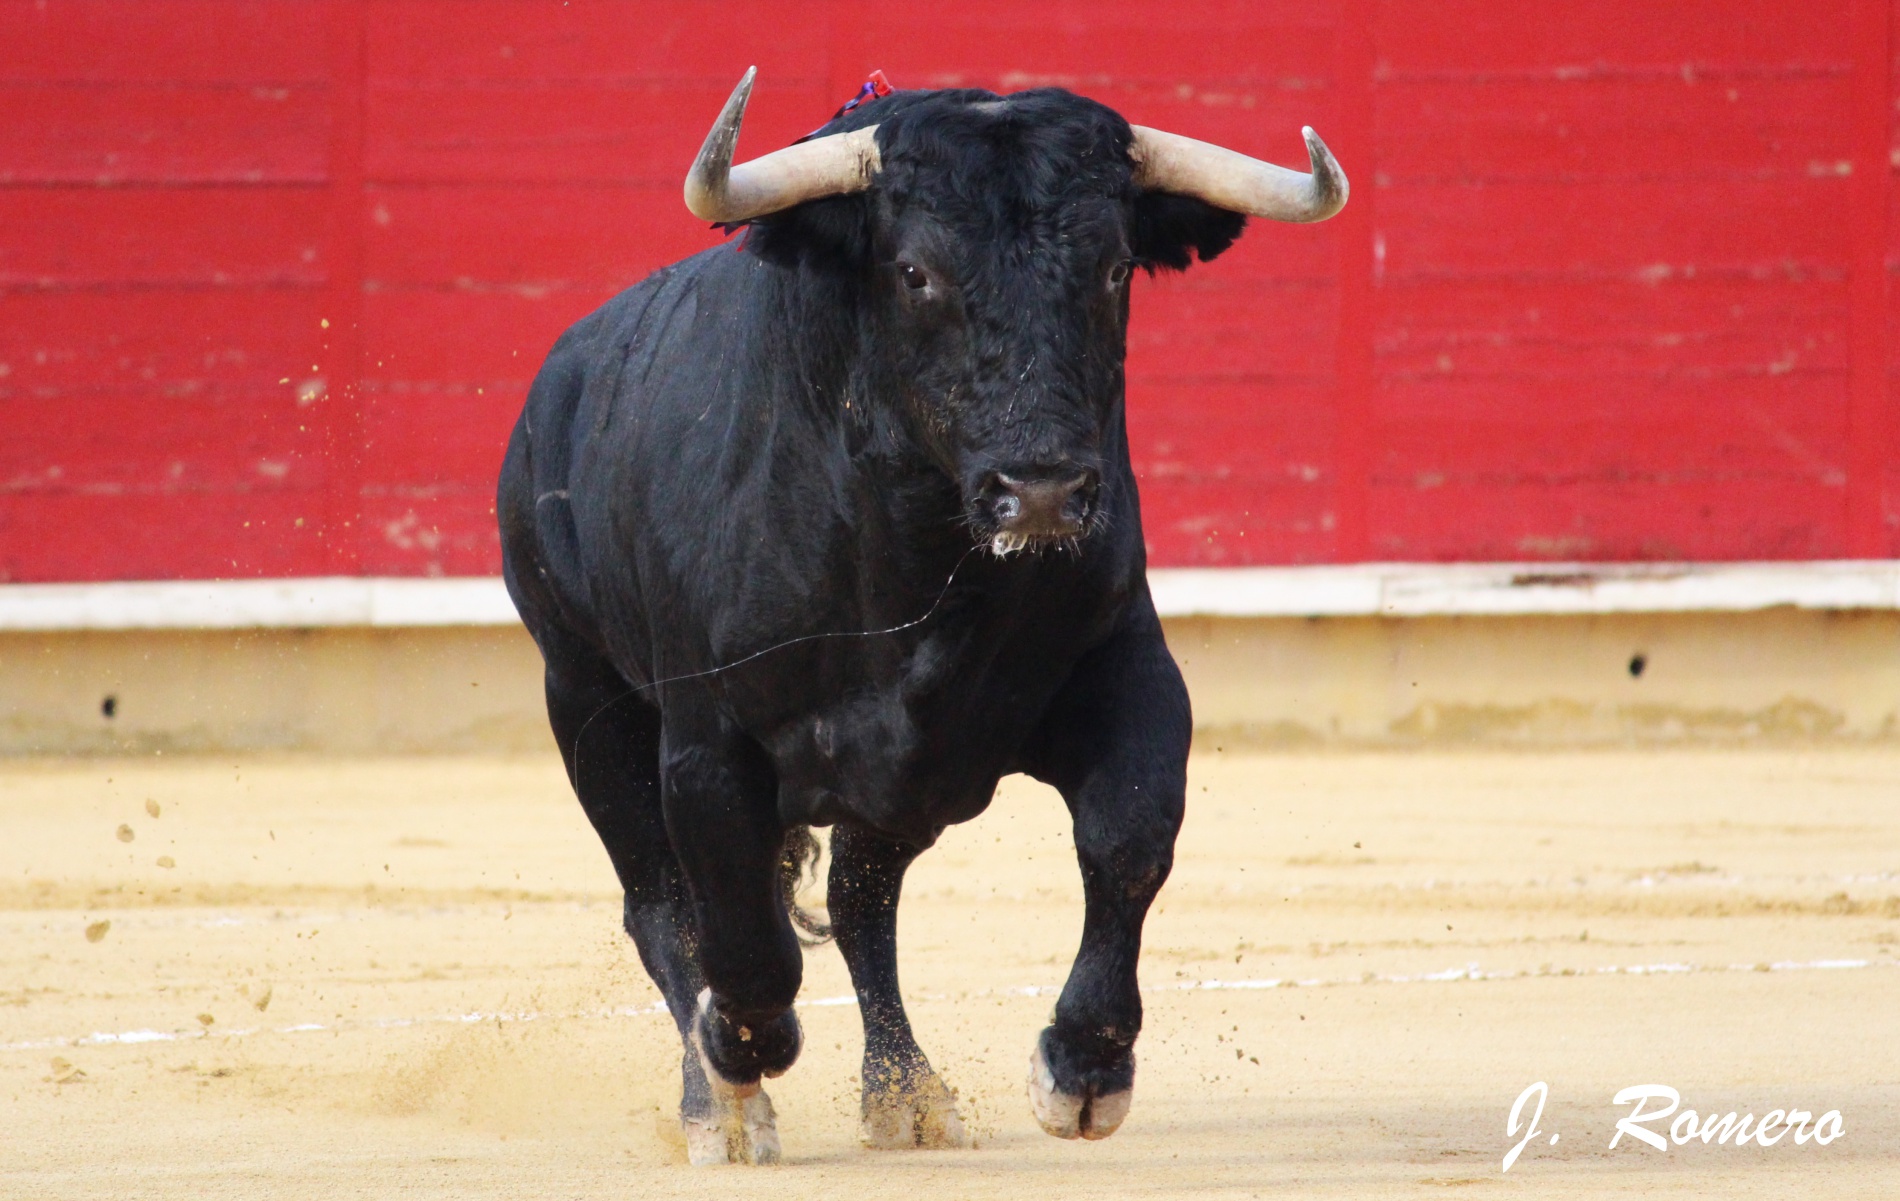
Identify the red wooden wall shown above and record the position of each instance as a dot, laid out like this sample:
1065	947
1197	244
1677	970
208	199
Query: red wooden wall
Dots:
1614	282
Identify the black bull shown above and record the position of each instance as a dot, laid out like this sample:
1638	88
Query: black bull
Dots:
836	527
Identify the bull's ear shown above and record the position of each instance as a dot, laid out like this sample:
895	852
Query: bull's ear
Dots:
829	234
1172	231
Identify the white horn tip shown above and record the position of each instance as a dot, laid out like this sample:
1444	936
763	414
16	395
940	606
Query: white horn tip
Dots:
742	91
1326	169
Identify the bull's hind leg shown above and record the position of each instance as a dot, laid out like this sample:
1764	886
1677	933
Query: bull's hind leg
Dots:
905	1103
1115	745
610	741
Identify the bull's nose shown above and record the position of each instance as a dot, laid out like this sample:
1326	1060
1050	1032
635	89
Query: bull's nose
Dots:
1041	503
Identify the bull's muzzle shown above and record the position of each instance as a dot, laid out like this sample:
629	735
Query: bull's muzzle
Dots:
1031	507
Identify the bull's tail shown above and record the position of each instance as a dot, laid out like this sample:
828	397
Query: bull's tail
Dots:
798	860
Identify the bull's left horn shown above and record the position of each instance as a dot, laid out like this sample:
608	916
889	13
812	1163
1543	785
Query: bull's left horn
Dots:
1168	162
831	166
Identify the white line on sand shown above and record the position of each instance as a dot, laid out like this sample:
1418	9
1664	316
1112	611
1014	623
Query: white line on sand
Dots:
1469	972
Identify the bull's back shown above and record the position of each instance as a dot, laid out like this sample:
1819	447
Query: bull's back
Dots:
604	434
541	555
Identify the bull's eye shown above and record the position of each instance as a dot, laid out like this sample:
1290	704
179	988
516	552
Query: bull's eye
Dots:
1118	274
914	278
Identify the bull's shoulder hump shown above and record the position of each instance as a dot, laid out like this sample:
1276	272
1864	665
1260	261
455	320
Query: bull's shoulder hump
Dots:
611	330
593	347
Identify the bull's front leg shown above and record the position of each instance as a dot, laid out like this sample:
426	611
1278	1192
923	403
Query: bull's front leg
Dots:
720	799
1115	744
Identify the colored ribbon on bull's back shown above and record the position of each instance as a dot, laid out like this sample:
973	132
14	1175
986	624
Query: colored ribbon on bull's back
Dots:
874	86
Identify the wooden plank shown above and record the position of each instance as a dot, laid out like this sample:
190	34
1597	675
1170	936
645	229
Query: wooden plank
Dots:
114	238
1765	517
1232	523
438	436
442	530
1541	331
175	42
1768	125
1890	450
600	43
1362	246
103	134
1635	430
529	236
1263	333
1490	38
1236	472
113	536
641	132
1082	46
201	442
1870	417
1203	432
1733	229
337	408
155	342
473	337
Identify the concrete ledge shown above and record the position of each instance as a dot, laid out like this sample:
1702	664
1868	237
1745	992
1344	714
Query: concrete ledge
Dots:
1781	675
1357	590
351	689
1370	655
1778	675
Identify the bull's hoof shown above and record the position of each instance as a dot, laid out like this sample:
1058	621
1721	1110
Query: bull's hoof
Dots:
742	1127
739	1130
1081	1114
918	1114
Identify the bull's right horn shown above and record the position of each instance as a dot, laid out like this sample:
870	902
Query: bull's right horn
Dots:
1168	162
831	166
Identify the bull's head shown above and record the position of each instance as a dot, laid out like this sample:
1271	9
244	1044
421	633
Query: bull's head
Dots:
993	238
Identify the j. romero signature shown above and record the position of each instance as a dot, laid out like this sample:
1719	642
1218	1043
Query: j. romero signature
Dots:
1773	1127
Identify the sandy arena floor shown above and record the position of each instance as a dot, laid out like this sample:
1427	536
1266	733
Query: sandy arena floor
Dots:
327	978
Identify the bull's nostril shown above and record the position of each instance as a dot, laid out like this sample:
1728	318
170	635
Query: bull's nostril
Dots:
1040	502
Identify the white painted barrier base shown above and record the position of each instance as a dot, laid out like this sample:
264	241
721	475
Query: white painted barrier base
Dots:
1357	590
